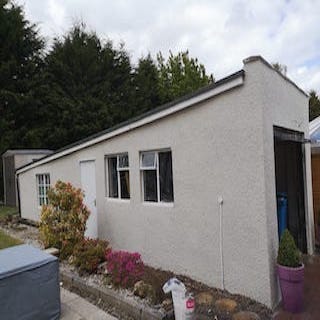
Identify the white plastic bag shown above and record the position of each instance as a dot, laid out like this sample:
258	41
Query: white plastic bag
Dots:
178	291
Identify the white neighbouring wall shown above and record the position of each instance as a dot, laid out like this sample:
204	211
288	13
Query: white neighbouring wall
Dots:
221	147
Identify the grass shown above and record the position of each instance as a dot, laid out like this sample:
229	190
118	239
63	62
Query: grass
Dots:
7	241
7	211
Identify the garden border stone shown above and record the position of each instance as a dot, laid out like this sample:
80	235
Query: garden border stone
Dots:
109	297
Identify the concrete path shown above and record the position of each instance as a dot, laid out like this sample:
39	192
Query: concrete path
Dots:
73	307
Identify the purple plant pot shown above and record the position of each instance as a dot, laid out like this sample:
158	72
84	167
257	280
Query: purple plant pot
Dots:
291	284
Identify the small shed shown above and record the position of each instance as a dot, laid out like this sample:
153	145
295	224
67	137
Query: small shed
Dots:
192	185
11	160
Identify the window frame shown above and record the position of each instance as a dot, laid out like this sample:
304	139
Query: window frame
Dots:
45	188
157	169
118	169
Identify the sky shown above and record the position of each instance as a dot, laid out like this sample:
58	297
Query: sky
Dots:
220	33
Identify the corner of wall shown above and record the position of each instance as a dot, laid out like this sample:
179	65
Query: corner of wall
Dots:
255	70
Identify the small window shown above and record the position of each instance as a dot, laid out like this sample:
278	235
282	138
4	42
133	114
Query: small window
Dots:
43	185
156	169
118	176
148	160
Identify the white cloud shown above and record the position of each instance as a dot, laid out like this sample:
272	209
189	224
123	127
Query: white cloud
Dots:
220	33
56	12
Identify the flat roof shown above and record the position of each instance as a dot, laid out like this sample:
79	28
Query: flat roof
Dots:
10	152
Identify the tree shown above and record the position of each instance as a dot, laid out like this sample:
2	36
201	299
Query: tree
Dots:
160	81
314	105
282	68
180	75
146	81
81	86
21	56
90	86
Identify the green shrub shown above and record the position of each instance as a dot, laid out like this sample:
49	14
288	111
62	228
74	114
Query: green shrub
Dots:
288	254
88	254
63	220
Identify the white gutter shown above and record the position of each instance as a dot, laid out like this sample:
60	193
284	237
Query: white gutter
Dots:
238	81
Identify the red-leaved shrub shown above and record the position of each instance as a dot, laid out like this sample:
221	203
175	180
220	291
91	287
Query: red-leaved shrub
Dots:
63	220
88	254
125	268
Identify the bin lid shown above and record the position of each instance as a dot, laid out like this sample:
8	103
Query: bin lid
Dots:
21	258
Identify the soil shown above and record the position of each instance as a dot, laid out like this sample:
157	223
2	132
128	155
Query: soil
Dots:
156	278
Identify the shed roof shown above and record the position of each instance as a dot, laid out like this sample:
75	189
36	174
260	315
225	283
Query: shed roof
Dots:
314	131
11	152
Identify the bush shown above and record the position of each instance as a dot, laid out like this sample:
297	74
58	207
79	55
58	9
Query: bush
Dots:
124	268
88	254
288	254
63	220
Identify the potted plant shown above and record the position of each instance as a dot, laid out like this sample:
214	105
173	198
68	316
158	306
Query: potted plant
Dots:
291	273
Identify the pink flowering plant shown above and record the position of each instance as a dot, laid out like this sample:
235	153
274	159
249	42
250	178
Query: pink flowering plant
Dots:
125	268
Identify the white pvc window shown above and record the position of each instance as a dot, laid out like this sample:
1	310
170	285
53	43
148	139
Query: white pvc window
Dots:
156	176
118	176
43	185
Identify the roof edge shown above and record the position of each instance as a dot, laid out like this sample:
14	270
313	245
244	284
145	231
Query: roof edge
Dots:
205	93
260	58
26	151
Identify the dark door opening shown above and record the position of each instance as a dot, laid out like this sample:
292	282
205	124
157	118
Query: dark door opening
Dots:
288	150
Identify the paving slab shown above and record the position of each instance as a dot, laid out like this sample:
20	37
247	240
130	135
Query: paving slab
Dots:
73	307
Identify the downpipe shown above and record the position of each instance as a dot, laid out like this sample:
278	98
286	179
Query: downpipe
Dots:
220	201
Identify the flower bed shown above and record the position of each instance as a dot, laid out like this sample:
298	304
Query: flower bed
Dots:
158	306
124	268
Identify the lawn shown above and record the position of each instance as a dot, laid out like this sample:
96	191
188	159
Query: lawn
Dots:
7	241
6	211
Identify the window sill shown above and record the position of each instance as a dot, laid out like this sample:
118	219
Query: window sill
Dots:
118	200
158	204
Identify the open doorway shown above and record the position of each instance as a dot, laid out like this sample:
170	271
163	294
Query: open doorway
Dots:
289	173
